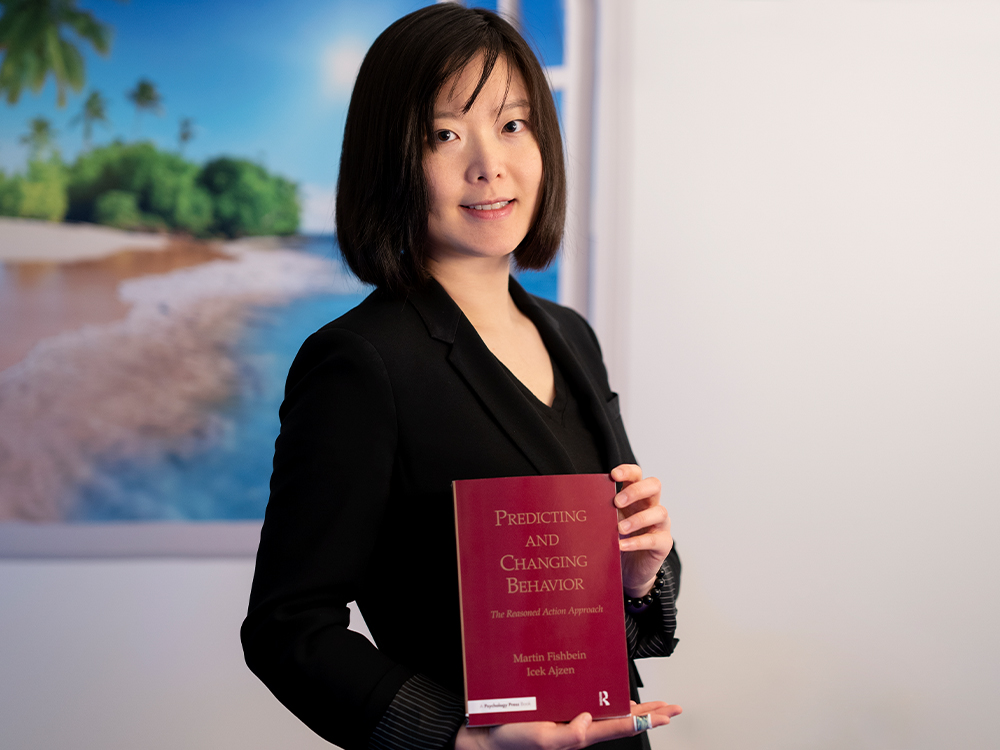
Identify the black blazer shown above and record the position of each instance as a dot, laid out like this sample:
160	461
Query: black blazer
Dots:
383	408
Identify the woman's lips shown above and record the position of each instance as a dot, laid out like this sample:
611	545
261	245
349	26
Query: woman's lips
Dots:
488	211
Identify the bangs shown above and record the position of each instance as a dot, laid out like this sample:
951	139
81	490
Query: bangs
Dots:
491	55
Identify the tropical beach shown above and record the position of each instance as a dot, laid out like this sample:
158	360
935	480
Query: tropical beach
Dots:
154	284
138	359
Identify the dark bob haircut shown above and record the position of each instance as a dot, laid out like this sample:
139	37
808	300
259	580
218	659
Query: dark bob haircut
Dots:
382	197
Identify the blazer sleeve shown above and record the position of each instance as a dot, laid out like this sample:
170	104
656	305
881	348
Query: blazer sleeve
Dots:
651	633
333	465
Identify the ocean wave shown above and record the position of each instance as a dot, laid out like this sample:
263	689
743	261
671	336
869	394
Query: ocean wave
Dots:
150	384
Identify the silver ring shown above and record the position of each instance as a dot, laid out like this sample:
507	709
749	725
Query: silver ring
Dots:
642	723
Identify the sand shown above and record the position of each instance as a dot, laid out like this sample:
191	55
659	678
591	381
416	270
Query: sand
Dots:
39	299
43	241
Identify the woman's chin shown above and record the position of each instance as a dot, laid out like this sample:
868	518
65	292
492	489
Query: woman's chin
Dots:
498	255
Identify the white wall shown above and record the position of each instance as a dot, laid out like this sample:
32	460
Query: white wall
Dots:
122	655
809	355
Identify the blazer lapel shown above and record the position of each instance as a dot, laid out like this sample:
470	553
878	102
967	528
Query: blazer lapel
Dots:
585	386
484	374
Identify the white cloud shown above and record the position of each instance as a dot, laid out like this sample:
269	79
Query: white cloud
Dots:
341	61
317	209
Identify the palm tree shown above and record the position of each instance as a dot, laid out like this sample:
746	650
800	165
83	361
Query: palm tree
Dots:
94	110
39	136
145	96
186	132
33	45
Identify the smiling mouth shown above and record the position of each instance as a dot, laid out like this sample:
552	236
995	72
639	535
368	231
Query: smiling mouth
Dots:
488	206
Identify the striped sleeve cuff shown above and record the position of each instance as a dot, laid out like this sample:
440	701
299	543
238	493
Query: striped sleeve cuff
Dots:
662	616
422	716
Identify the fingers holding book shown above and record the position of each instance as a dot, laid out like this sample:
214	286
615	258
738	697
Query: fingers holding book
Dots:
643	527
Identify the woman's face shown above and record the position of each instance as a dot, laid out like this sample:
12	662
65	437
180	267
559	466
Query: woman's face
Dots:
485	175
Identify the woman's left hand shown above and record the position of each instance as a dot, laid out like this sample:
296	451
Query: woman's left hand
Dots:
644	529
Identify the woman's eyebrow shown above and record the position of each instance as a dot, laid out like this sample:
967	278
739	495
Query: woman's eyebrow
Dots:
457	114
516	104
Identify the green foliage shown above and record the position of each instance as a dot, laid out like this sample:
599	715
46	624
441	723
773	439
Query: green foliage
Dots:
164	185
43	192
193	209
39	194
10	194
249	201
118	208
31	37
230	197
136	186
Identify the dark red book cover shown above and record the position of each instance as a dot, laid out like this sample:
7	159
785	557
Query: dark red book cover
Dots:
543	617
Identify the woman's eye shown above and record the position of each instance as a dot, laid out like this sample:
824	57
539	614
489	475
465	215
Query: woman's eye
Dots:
515	126
444	136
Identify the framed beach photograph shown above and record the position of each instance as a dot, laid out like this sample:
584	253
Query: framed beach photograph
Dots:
167	184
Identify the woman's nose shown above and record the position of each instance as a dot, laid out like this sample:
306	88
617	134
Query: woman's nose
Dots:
485	161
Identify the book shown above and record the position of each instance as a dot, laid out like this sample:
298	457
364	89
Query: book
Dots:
543	616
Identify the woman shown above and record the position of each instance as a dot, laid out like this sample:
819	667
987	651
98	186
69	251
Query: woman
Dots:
451	164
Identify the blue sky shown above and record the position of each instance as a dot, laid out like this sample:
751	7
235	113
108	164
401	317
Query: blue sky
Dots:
263	80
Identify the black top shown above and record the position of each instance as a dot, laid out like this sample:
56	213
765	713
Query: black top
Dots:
571	426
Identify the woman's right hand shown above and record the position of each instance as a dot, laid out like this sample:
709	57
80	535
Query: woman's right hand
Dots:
548	735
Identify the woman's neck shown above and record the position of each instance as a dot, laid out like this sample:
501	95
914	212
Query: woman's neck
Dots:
479	286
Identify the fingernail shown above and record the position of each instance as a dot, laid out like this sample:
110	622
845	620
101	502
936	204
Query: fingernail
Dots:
626	544
625	526
620	499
